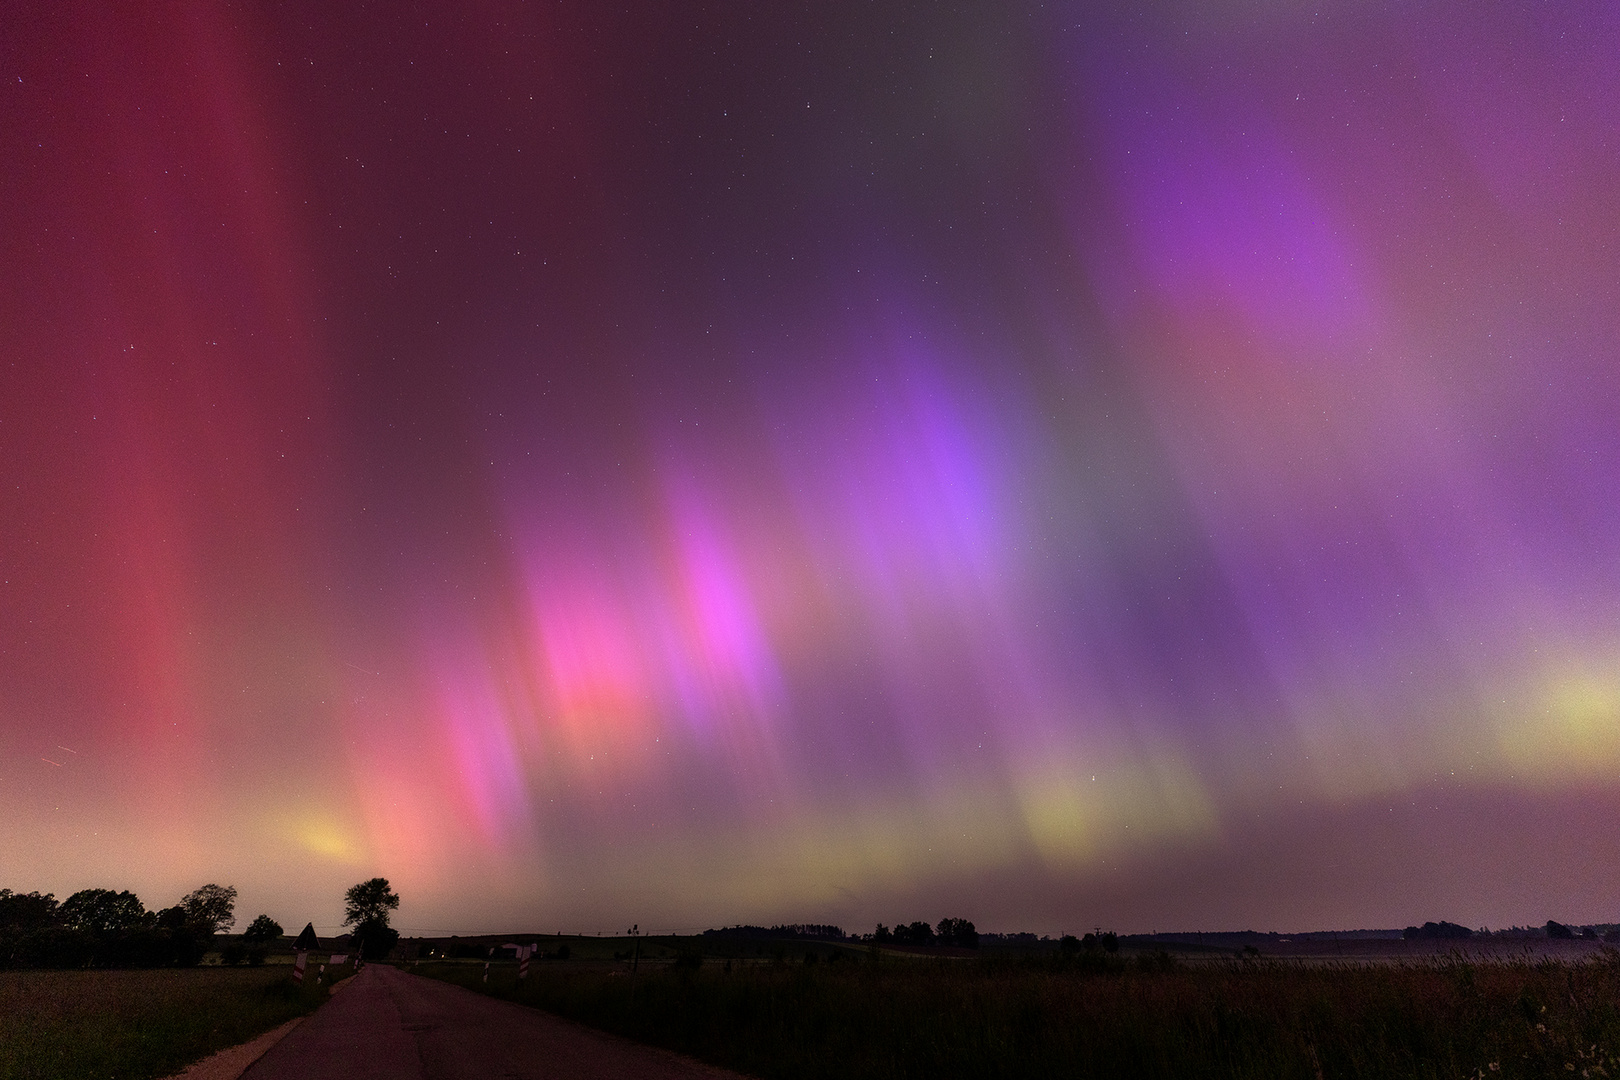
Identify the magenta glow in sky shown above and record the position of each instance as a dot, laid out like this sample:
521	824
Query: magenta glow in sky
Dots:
700	465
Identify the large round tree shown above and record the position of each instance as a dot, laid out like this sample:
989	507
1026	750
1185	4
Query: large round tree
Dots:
210	909
366	908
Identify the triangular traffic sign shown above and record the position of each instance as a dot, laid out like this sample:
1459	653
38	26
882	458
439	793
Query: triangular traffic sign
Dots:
307	940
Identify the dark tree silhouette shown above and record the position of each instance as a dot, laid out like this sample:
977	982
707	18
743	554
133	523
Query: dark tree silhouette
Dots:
958	932
27	910
103	928
1437	930
211	908
102	912
369	901
262	931
366	908
916	933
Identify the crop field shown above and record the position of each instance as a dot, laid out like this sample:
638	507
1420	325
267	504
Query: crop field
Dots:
1094	1016
138	1025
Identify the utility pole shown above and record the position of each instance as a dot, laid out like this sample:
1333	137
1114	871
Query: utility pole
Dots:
635	936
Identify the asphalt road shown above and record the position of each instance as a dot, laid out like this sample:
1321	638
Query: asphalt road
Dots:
385	1023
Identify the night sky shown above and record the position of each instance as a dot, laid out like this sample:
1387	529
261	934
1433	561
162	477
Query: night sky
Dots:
699	463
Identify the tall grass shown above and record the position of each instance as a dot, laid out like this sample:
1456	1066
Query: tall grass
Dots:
1039	1019
136	1025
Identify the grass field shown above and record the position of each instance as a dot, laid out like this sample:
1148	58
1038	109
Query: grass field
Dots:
1006	1019
138	1025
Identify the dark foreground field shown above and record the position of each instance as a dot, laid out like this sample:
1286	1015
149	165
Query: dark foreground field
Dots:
1042	1018
136	1025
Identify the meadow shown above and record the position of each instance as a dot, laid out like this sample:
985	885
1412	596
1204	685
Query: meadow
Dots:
142	1024
872	1015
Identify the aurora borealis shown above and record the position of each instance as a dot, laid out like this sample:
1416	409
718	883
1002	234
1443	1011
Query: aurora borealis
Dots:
703	463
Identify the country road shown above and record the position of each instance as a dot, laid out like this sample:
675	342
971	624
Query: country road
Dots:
386	1023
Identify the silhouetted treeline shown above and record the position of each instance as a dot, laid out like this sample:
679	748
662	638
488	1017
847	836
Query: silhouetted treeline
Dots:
1107	941
1609	932
816	931
103	928
958	932
1432	930
1555	930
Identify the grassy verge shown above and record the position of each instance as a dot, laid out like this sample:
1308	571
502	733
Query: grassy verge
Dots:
1006	1019
139	1025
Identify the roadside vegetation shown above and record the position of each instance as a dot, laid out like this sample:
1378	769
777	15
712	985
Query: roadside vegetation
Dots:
103	928
1087	1012
143	1024
366	908
135	994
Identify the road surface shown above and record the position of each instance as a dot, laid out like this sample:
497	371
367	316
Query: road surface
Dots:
385	1023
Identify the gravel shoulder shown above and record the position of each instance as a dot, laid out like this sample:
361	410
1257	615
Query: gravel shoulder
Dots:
230	1063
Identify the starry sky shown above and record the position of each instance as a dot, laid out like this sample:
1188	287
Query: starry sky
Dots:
1054	464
